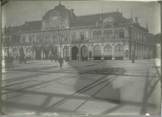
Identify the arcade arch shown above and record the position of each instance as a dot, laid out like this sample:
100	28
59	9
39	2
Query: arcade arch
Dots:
108	52
74	52
84	52
119	51
97	52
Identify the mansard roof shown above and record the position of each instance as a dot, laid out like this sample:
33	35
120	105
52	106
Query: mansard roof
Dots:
26	27
93	18
32	25
75	21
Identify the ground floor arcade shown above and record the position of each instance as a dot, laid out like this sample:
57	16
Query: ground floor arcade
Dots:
83	51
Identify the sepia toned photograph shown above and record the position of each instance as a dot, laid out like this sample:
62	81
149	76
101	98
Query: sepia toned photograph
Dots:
81	57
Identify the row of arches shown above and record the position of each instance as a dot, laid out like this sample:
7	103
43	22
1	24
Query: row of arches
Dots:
97	52
83	52
73	52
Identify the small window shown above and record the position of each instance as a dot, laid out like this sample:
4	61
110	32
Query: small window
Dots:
23	39
96	34
82	36
121	34
30	38
108	34
73	35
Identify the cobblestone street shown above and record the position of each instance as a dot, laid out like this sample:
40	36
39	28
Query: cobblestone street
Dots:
98	87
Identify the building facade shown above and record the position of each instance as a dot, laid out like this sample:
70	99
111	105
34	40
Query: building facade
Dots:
60	33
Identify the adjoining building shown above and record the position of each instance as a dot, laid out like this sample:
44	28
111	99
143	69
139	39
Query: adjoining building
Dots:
97	36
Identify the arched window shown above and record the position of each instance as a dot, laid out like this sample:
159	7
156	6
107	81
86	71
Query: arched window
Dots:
97	50
121	34
84	51
119	50
108	50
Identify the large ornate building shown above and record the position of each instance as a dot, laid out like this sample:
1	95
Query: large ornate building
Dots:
63	34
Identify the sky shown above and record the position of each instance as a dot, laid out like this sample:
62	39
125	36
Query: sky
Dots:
17	12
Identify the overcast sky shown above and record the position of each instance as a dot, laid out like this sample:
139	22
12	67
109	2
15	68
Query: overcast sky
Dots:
17	12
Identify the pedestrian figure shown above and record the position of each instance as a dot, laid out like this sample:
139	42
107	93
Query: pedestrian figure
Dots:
51	57
60	61
22	56
56	58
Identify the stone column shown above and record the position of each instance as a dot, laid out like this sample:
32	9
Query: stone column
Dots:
59	51
113	52
126	49
102	51
62	47
79	53
92	52
33	54
89	51
42	54
141	51
69	54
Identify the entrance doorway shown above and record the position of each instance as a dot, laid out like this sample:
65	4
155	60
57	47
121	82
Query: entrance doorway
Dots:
74	52
84	53
108	52
119	52
97	52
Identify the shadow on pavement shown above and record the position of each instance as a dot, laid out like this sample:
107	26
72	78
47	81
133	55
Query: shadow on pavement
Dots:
93	83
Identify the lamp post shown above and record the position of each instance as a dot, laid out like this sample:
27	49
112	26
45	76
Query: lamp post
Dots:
131	45
60	39
160	2
133	41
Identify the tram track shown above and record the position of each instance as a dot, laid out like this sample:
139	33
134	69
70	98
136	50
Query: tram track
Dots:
82	90
94	94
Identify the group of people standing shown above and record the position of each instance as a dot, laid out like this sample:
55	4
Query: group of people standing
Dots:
23	58
55	58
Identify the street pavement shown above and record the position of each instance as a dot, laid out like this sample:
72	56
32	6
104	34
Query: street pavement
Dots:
95	87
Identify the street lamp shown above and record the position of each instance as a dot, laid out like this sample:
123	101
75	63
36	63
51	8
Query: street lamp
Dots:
131	44
60	39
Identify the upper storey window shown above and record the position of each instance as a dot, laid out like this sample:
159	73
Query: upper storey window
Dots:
96	34
121	34
31	38
23	39
82	35
73	35
108	34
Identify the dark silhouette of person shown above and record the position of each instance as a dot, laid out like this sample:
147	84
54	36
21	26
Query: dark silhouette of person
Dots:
22	56
60	61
